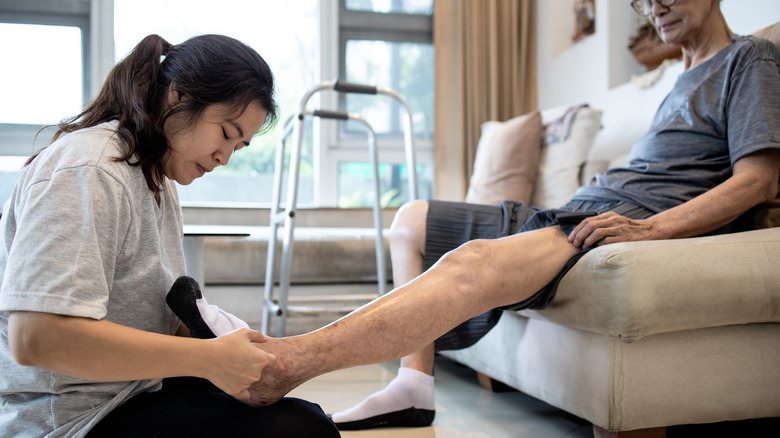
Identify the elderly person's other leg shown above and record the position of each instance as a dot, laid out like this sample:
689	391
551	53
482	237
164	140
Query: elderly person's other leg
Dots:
408	400
478	276
407	248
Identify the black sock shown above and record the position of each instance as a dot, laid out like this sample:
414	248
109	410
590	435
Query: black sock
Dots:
181	299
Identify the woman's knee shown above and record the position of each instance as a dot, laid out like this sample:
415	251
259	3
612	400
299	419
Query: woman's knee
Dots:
299	418
290	418
201	413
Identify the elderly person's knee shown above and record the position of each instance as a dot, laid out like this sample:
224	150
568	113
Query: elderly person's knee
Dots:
409	223
473	258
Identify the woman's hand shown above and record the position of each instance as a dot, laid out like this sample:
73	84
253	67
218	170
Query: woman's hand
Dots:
238	362
611	227
103	351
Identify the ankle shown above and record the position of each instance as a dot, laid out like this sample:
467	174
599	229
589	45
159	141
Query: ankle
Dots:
294	363
427	370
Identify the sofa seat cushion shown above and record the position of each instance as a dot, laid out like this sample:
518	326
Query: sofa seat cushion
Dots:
634	289
320	256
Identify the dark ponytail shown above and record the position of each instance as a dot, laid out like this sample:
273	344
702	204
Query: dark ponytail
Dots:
206	70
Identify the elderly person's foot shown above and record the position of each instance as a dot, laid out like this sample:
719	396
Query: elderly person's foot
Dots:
406	402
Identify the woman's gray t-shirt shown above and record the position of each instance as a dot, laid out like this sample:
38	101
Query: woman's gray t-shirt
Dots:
717	113
82	235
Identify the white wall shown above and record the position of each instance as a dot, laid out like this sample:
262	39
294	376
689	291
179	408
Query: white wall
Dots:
584	72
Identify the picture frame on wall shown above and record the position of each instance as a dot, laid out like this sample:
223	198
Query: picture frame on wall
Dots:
584	19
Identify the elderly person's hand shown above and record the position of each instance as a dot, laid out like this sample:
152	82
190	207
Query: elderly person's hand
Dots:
611	227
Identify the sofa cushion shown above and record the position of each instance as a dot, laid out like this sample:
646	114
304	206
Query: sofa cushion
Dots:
635	289
320	256
568	136
507	160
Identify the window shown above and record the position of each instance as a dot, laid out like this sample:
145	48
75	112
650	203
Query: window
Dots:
32	95
423	7
386	43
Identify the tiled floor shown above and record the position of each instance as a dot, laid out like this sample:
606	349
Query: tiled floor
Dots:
463	408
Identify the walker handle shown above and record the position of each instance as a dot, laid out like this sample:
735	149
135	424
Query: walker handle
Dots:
326	114
349	87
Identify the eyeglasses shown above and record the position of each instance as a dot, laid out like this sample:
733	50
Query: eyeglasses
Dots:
645	7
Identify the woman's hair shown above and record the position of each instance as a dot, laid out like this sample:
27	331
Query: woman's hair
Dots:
204	70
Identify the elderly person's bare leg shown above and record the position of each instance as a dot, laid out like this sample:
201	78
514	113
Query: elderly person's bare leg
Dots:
478	276
407	248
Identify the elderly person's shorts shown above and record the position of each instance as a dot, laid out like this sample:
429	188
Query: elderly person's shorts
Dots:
450	224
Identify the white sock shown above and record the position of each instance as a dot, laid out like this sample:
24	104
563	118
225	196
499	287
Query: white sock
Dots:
219	321
409	389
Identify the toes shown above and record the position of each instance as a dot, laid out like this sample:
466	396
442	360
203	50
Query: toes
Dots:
181	299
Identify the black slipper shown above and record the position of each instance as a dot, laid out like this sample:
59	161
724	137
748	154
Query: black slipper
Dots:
181	299
411	417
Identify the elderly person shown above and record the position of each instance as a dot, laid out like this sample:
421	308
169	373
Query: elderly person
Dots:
712	153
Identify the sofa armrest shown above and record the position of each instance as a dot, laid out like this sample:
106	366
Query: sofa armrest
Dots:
635	289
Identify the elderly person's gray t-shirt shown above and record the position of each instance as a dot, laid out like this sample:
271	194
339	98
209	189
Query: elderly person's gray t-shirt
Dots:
82	235
717	113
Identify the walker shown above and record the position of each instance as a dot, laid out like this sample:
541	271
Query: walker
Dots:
278	306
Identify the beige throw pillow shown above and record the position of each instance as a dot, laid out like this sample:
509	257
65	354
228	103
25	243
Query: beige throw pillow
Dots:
507	160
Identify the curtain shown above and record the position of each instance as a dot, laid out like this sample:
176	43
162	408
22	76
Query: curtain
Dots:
484	70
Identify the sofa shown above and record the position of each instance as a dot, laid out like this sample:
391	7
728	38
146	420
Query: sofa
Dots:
641	335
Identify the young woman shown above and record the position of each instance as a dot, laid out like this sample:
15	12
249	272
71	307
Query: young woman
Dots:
91	241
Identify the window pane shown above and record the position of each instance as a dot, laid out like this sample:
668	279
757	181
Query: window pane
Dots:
30	92
356	184
424	7
403	66
283	32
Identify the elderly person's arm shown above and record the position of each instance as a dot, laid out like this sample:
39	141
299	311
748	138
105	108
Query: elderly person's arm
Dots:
754	180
